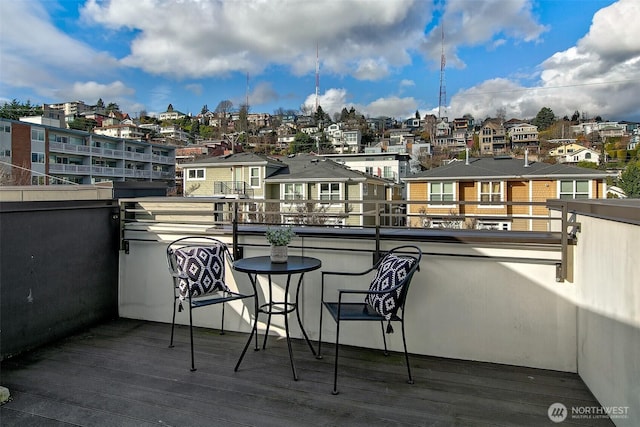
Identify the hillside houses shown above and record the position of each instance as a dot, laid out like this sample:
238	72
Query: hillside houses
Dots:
363	145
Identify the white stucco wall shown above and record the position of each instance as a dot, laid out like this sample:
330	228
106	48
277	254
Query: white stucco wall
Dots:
510	313
607	272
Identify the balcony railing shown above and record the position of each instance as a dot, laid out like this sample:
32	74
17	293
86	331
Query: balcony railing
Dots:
480	295
232	188
375	219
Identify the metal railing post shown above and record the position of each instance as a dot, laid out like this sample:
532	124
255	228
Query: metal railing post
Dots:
236	250
561	269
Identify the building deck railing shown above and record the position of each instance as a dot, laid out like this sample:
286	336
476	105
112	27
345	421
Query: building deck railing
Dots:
483	295
379	220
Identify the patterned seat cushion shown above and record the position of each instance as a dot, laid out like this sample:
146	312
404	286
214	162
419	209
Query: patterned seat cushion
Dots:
204	270
391	271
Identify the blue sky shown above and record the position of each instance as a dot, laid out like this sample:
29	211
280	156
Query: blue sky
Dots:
380	56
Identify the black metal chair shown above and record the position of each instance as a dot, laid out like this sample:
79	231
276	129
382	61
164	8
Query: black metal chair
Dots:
198	266
384	301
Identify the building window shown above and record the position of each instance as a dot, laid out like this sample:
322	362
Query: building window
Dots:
58	138
37	180
490	191
37	158
577	189
441	192
37	135
5	128
293	191
493	225
195	174
329	191
254	177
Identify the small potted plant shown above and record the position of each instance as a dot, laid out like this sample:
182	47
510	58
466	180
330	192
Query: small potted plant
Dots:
279	238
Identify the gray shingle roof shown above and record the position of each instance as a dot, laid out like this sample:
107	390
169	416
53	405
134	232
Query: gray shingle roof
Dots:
238	159
305	167
501	168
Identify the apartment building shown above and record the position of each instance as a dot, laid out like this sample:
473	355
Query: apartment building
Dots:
33	154
497	193
523	135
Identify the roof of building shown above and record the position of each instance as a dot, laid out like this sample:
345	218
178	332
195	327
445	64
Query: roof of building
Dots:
244	158
502	168
307	167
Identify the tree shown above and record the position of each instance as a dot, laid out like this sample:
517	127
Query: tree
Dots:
417	114
82	123
302	143
223	109
15	109
112	106
344	114
575	117
501	113
100	104
544	118
630	180
587	164
321	117
243	115
205	109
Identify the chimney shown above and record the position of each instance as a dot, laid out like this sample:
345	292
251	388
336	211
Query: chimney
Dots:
526	158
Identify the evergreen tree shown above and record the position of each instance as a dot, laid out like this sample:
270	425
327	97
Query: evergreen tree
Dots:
112	106
630	180
15	109
544	118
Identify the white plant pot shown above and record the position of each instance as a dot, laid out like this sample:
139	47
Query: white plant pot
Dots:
279	254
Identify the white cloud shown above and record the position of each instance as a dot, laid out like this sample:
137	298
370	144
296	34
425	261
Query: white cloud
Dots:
362	38
91	91
599	76
334	100
473	23
392	107
372	69
33	50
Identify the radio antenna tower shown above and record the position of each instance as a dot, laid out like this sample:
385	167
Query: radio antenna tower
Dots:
442	100
247	93
317	77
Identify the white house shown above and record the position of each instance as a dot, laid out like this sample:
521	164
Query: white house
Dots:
582	155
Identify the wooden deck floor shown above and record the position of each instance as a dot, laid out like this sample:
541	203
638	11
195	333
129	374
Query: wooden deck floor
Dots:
122	373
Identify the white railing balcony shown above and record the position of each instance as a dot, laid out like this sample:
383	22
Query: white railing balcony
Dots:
565	301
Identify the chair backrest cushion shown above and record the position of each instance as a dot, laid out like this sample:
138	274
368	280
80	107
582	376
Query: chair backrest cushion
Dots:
393	270
204	269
